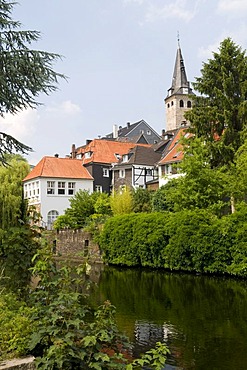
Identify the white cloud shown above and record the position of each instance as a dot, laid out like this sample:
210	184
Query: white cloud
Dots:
66	107
180	9
232	7
22	126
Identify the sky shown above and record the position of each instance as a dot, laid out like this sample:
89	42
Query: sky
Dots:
119	58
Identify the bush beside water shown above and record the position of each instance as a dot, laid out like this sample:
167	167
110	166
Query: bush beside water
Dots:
190	240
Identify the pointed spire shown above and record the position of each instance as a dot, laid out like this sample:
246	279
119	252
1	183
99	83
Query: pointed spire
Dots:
179	79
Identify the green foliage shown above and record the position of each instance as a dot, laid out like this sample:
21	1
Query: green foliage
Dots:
190	240
17	248
163	199
219	113
68	334
121	202
81	207
135	239
102	204
64	221
16	327
142	200
11	197
201	186
25	73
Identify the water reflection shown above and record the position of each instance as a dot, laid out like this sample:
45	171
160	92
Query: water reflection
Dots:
202	319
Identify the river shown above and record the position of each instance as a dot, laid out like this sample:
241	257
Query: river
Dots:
202	319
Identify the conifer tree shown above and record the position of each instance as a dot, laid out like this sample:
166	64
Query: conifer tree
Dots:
24	73
219	113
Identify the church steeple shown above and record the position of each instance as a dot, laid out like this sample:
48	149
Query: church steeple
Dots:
177	100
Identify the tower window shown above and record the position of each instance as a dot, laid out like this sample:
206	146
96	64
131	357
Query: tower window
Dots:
168	105
172	103
188	104
181	103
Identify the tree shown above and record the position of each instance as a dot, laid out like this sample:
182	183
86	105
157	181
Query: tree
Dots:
142	200
12	205
121	202
24	73
219	113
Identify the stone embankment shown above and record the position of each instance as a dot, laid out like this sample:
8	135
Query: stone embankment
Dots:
18	364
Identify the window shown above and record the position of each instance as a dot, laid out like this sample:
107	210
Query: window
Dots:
149	172
148	132
50	187
168	105
61	187
105	172
125	158
71	188
189	104
87	155
181	103
51	217
122	173
172	103
98	188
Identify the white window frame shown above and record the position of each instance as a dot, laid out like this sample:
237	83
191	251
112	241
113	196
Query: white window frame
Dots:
98	188
71	188
50	190
121	173
106	172
61	185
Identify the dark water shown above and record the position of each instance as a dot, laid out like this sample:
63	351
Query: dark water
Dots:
203	320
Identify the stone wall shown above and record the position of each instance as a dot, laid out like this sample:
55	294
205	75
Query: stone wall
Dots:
76	243
18	364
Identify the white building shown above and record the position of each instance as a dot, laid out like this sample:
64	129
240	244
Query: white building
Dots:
52	182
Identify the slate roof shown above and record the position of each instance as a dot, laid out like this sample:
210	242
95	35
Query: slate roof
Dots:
106	151
142	155
59	168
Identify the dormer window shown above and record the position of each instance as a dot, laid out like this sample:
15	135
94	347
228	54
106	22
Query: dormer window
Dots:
125	158
148	132
87	155
118	156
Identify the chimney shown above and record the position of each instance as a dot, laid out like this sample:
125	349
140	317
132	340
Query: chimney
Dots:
56	155
73	153
128	124
115	131
88	141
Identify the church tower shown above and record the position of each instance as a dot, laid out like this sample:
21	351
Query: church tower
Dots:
178	101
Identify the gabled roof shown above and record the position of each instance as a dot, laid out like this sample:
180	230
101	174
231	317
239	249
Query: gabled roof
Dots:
66	168
127	131
141	155
174	152
106	151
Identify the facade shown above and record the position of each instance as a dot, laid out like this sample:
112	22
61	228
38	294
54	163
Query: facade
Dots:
178	100
52	182
136	168
100	156
169	164
139	132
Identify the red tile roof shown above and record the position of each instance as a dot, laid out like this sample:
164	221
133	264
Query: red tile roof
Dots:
175	151
105	151
60	168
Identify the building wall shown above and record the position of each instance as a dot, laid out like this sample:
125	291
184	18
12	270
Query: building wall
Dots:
45	203
147	132
175	113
